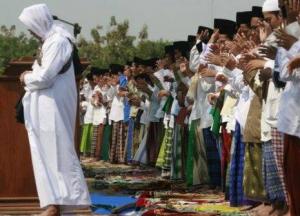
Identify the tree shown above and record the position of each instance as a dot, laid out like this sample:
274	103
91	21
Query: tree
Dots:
117	46
114	46
14	46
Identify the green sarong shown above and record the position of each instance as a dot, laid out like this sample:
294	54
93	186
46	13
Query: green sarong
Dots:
106	142
86	139
253	173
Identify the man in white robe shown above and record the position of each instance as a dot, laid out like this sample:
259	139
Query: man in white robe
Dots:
50	106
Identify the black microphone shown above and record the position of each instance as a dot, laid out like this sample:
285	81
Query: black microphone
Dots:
77	27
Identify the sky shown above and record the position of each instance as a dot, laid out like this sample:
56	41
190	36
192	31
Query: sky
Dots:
166	19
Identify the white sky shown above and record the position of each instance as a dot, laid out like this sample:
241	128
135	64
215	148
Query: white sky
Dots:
167	19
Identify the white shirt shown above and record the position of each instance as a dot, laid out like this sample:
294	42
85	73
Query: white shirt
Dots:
201	106
117	109
289	106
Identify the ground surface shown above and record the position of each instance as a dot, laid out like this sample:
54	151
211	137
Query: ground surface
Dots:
161	197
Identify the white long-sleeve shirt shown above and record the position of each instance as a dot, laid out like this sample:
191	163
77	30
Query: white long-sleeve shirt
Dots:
289	106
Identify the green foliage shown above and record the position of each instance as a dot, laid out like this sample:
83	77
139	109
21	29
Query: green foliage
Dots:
14	46
115	46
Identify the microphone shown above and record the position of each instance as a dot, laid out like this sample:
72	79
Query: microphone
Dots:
77	27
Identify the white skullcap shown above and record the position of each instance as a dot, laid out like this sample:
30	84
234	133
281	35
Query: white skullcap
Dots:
270	5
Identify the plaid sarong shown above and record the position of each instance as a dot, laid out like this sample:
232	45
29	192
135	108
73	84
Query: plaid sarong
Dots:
213	157
236	192
273	185
278	148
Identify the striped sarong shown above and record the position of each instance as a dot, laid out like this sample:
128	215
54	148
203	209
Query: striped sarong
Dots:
213	157
129	141
99	141
94	141
154	141
118	141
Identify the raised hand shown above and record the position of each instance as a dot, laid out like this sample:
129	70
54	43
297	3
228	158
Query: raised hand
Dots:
292	9
222	78
205	72
229	62
285	40
215	36
268	51
294	64
214	59
255	65
204	35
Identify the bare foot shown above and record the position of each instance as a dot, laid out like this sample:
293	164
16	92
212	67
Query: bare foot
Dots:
262	210
51	211
284	211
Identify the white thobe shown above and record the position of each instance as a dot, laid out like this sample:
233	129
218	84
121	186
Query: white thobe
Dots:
50	106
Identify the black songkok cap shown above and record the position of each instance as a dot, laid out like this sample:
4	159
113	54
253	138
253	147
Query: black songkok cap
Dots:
191	39
151	62
182	46
257	12
243	18
169	49
116	68
95	71
203	28
226	27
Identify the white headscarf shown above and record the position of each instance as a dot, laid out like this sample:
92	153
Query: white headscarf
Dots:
39	20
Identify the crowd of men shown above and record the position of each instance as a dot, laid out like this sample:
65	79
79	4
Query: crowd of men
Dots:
221	108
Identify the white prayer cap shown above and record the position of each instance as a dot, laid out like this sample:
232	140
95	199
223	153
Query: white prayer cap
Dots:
270	5
38	19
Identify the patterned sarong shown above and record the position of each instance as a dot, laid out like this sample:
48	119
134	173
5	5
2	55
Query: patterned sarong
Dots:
196	165
236	192
213	157
118	141
273	185
253	173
